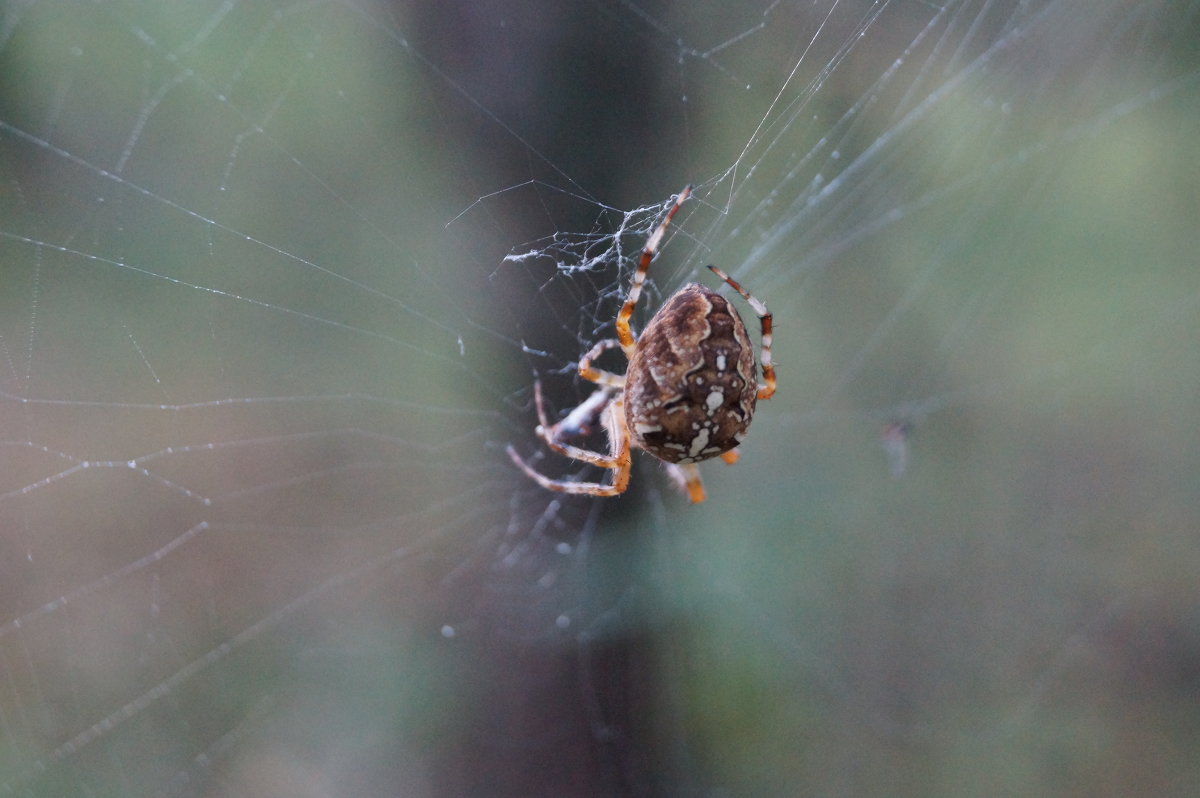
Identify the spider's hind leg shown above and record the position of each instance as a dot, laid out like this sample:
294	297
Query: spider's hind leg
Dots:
687	478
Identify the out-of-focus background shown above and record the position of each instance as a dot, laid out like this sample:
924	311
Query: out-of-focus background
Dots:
277	279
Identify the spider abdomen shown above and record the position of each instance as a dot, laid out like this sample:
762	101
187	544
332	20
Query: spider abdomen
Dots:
691	385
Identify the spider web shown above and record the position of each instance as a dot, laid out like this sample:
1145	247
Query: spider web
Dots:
278	279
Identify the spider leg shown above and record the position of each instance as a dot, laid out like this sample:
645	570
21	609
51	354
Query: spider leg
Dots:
624	334
576	452
598	376
578	421
766	388
687	478
575	423
619	460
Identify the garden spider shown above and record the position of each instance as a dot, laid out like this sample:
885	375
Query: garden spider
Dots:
687	395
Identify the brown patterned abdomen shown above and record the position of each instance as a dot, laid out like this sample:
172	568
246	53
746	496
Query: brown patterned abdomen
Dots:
691	385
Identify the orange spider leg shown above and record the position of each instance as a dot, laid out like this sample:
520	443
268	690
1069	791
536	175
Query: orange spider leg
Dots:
599	376
619	445
624	334
766	388
619	460
576	423
692	483
687	480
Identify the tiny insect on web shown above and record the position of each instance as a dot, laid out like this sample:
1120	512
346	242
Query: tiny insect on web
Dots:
687	395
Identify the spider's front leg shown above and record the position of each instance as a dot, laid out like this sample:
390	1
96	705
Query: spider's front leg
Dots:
624	333
619	460
599	376
577	422
766	388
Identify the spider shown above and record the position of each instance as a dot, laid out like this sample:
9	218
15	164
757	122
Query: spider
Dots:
687	395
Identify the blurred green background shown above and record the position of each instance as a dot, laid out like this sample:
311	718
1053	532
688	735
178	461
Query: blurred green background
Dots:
262	352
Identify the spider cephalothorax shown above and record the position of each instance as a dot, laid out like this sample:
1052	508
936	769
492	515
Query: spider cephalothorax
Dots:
689	391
